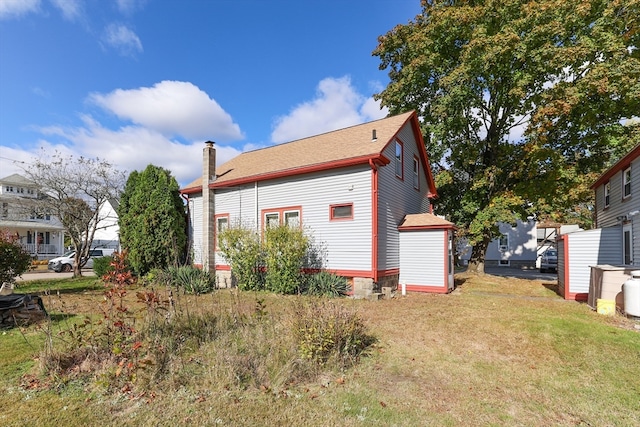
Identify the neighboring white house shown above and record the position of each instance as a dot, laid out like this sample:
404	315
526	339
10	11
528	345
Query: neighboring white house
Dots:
610	250
351	188
107	233
40	233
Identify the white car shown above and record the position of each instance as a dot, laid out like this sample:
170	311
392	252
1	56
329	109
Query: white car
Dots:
549	261
65	262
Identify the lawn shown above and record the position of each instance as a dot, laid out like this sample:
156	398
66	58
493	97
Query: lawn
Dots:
497	351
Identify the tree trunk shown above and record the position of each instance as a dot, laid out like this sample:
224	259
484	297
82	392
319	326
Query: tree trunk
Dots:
478	254
77	271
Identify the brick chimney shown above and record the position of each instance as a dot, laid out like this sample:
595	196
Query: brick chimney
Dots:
208	207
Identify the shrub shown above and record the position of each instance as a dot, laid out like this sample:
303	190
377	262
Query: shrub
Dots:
192	280
14	260
327	331
285	253
326	283
102	265
241	248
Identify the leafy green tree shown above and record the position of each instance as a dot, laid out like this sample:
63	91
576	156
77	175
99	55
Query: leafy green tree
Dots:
152	220
14	259
522	103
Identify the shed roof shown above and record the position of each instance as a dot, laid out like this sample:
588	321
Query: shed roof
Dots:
343	147
424	221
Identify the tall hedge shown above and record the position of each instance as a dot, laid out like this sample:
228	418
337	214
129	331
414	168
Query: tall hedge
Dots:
152	220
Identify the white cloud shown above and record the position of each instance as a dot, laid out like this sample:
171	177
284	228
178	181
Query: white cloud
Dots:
132	148
40	92
172	108
71	9
15	8
129	6
123	39
337	105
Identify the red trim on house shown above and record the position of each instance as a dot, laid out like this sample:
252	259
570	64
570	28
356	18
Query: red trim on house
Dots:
427	289
377	158
374	220
622	164
192	190
223	267
426	167
338	205
565	249
427	227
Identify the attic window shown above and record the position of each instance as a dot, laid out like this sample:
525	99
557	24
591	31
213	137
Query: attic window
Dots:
626	183
399	159
607	192
416	173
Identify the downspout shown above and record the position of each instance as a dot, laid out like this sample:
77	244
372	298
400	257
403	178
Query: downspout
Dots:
255	200
374	219
188	230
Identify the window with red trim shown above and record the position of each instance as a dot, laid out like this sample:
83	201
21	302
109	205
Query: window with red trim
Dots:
341	212
291	216
416	173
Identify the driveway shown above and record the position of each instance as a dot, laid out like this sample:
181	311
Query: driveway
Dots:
520	273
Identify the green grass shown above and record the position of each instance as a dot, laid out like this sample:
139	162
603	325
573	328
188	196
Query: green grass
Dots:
495	352
73	285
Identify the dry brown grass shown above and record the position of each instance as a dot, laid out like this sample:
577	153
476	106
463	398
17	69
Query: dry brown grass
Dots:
497	351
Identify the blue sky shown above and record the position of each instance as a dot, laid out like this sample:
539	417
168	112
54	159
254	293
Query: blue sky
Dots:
141	82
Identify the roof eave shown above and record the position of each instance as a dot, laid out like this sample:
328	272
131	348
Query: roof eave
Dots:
620	165
354	161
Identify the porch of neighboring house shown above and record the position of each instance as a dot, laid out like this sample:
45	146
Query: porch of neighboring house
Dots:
42	244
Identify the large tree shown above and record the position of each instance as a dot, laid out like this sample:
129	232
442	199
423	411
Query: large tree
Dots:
522	103
152	220
75	190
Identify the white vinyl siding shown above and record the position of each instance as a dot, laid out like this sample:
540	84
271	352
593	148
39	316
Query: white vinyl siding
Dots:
348	243
397	198
618	205
586	249
422	257
239	204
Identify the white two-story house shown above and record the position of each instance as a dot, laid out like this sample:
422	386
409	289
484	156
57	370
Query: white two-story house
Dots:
40	233
589	260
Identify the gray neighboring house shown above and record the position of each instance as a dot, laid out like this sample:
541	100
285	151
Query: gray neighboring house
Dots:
596	262
40	233
519	246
